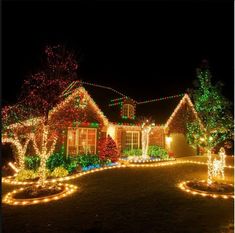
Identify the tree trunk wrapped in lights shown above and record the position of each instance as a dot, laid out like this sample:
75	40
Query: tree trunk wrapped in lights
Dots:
44	150
146	127
20	147
16	130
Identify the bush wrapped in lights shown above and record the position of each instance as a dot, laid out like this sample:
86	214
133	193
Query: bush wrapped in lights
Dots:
157	152
32	162
26	174
59	172
108	150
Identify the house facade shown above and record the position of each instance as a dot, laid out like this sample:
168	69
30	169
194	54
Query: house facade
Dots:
88	113
103	112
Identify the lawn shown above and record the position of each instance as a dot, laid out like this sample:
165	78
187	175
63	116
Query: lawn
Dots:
127	200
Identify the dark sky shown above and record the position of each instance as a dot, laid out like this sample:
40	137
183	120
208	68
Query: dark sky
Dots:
145	49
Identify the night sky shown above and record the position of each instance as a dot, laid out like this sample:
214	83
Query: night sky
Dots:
144	49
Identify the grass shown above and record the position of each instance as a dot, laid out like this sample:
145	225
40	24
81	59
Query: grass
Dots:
127	200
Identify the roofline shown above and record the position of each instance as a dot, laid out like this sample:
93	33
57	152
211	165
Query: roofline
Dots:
187	98
90	99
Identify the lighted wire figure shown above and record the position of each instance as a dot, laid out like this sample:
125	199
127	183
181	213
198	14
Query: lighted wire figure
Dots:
219	164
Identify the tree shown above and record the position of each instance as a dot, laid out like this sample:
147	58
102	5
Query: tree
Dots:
41	92
214	112
16	130
108	150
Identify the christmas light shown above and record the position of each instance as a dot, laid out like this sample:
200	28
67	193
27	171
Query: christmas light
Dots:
160	99
67	189
12	181
20	147
111	131
146	127
183	186
183	101
13	167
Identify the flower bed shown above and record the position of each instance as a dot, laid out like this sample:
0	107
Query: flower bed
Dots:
13	181
214	190
37	194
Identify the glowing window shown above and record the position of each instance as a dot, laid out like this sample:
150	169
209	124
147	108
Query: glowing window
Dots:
132	139
81	141
128	111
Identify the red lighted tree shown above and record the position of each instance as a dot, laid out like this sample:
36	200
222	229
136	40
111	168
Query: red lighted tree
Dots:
41	92
108	150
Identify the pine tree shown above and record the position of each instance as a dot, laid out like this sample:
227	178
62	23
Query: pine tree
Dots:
108	150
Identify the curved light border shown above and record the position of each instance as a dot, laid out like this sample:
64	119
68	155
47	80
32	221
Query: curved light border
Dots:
10	200
183	186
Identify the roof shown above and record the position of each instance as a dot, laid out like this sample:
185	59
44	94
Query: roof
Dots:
158	109
102	98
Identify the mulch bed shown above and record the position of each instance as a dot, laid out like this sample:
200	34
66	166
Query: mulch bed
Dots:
215	187
38	192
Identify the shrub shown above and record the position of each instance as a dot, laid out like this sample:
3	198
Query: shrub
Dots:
88	160
132	152
71	164
26	174
108	150
55	160
32	162
157	152
59	172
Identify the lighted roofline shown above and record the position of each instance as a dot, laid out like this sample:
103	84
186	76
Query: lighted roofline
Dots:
187	98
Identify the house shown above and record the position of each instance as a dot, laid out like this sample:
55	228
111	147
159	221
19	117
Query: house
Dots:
104	111
89	112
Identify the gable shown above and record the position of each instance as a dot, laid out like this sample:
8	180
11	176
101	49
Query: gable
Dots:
77	108
183	113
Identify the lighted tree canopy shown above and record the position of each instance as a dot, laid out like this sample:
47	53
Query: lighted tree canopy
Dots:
40	93
214	112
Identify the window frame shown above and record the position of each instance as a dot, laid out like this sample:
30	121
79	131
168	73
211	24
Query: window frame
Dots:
130	111
132	137
77	138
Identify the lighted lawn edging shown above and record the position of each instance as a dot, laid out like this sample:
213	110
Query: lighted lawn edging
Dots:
150	160
11	179
184	186
10	199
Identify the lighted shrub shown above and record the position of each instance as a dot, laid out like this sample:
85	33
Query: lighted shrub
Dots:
55	160
26	174
157	152
59	172
108	150
132	152
88	160
32	162
71	164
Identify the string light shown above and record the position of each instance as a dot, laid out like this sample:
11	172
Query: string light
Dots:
146	127
21	148
66	189
13	167
160	99
43	151
183	101
11	179
183	186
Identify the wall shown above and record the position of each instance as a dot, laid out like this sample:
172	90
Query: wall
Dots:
180	147
157	137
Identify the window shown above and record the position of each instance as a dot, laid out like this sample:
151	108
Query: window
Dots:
132	139
128	111
81	141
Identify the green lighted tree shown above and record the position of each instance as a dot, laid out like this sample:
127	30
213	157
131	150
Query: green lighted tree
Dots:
214	113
